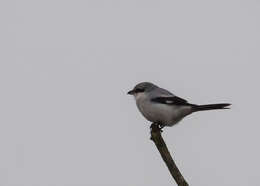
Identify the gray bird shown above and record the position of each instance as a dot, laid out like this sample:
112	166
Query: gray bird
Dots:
164	108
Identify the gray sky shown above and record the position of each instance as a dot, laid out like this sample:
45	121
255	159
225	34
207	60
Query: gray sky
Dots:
65	68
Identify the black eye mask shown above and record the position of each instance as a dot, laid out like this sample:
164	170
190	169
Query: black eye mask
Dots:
138	90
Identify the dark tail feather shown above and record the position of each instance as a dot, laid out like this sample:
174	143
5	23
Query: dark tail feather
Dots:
211	107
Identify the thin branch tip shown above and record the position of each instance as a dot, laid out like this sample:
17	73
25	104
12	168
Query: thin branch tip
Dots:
156	137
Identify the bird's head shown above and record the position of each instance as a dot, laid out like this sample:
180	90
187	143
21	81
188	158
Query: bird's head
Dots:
142	88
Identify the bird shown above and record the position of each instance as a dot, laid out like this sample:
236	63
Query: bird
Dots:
163	108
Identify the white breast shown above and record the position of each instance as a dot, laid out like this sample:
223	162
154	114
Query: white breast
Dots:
153	112
160	113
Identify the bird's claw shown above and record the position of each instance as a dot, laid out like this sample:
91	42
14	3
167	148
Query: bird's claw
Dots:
161	127
157	125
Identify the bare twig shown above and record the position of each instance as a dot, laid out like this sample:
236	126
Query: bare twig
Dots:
156	137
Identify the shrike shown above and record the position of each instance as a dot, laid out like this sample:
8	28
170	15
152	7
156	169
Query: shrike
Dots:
164	108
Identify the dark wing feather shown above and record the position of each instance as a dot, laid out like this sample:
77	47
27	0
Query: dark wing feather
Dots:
174	100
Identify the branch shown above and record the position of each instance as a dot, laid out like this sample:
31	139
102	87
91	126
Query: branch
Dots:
156	137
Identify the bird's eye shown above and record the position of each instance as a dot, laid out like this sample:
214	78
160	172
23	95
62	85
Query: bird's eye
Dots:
139	90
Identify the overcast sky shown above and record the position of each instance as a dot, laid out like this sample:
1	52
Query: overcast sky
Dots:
65	68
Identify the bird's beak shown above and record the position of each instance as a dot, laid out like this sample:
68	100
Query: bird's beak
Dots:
131	92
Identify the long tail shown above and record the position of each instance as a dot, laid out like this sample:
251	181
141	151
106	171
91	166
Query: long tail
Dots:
211	107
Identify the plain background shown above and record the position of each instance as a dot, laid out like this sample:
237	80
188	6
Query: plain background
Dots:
65	68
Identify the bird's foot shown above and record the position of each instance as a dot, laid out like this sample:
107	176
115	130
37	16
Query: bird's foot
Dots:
156	129
157	126
161	127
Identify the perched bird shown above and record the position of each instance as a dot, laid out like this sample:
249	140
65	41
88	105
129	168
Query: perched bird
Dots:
164	108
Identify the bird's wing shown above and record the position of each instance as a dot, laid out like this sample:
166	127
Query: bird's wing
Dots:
170	100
